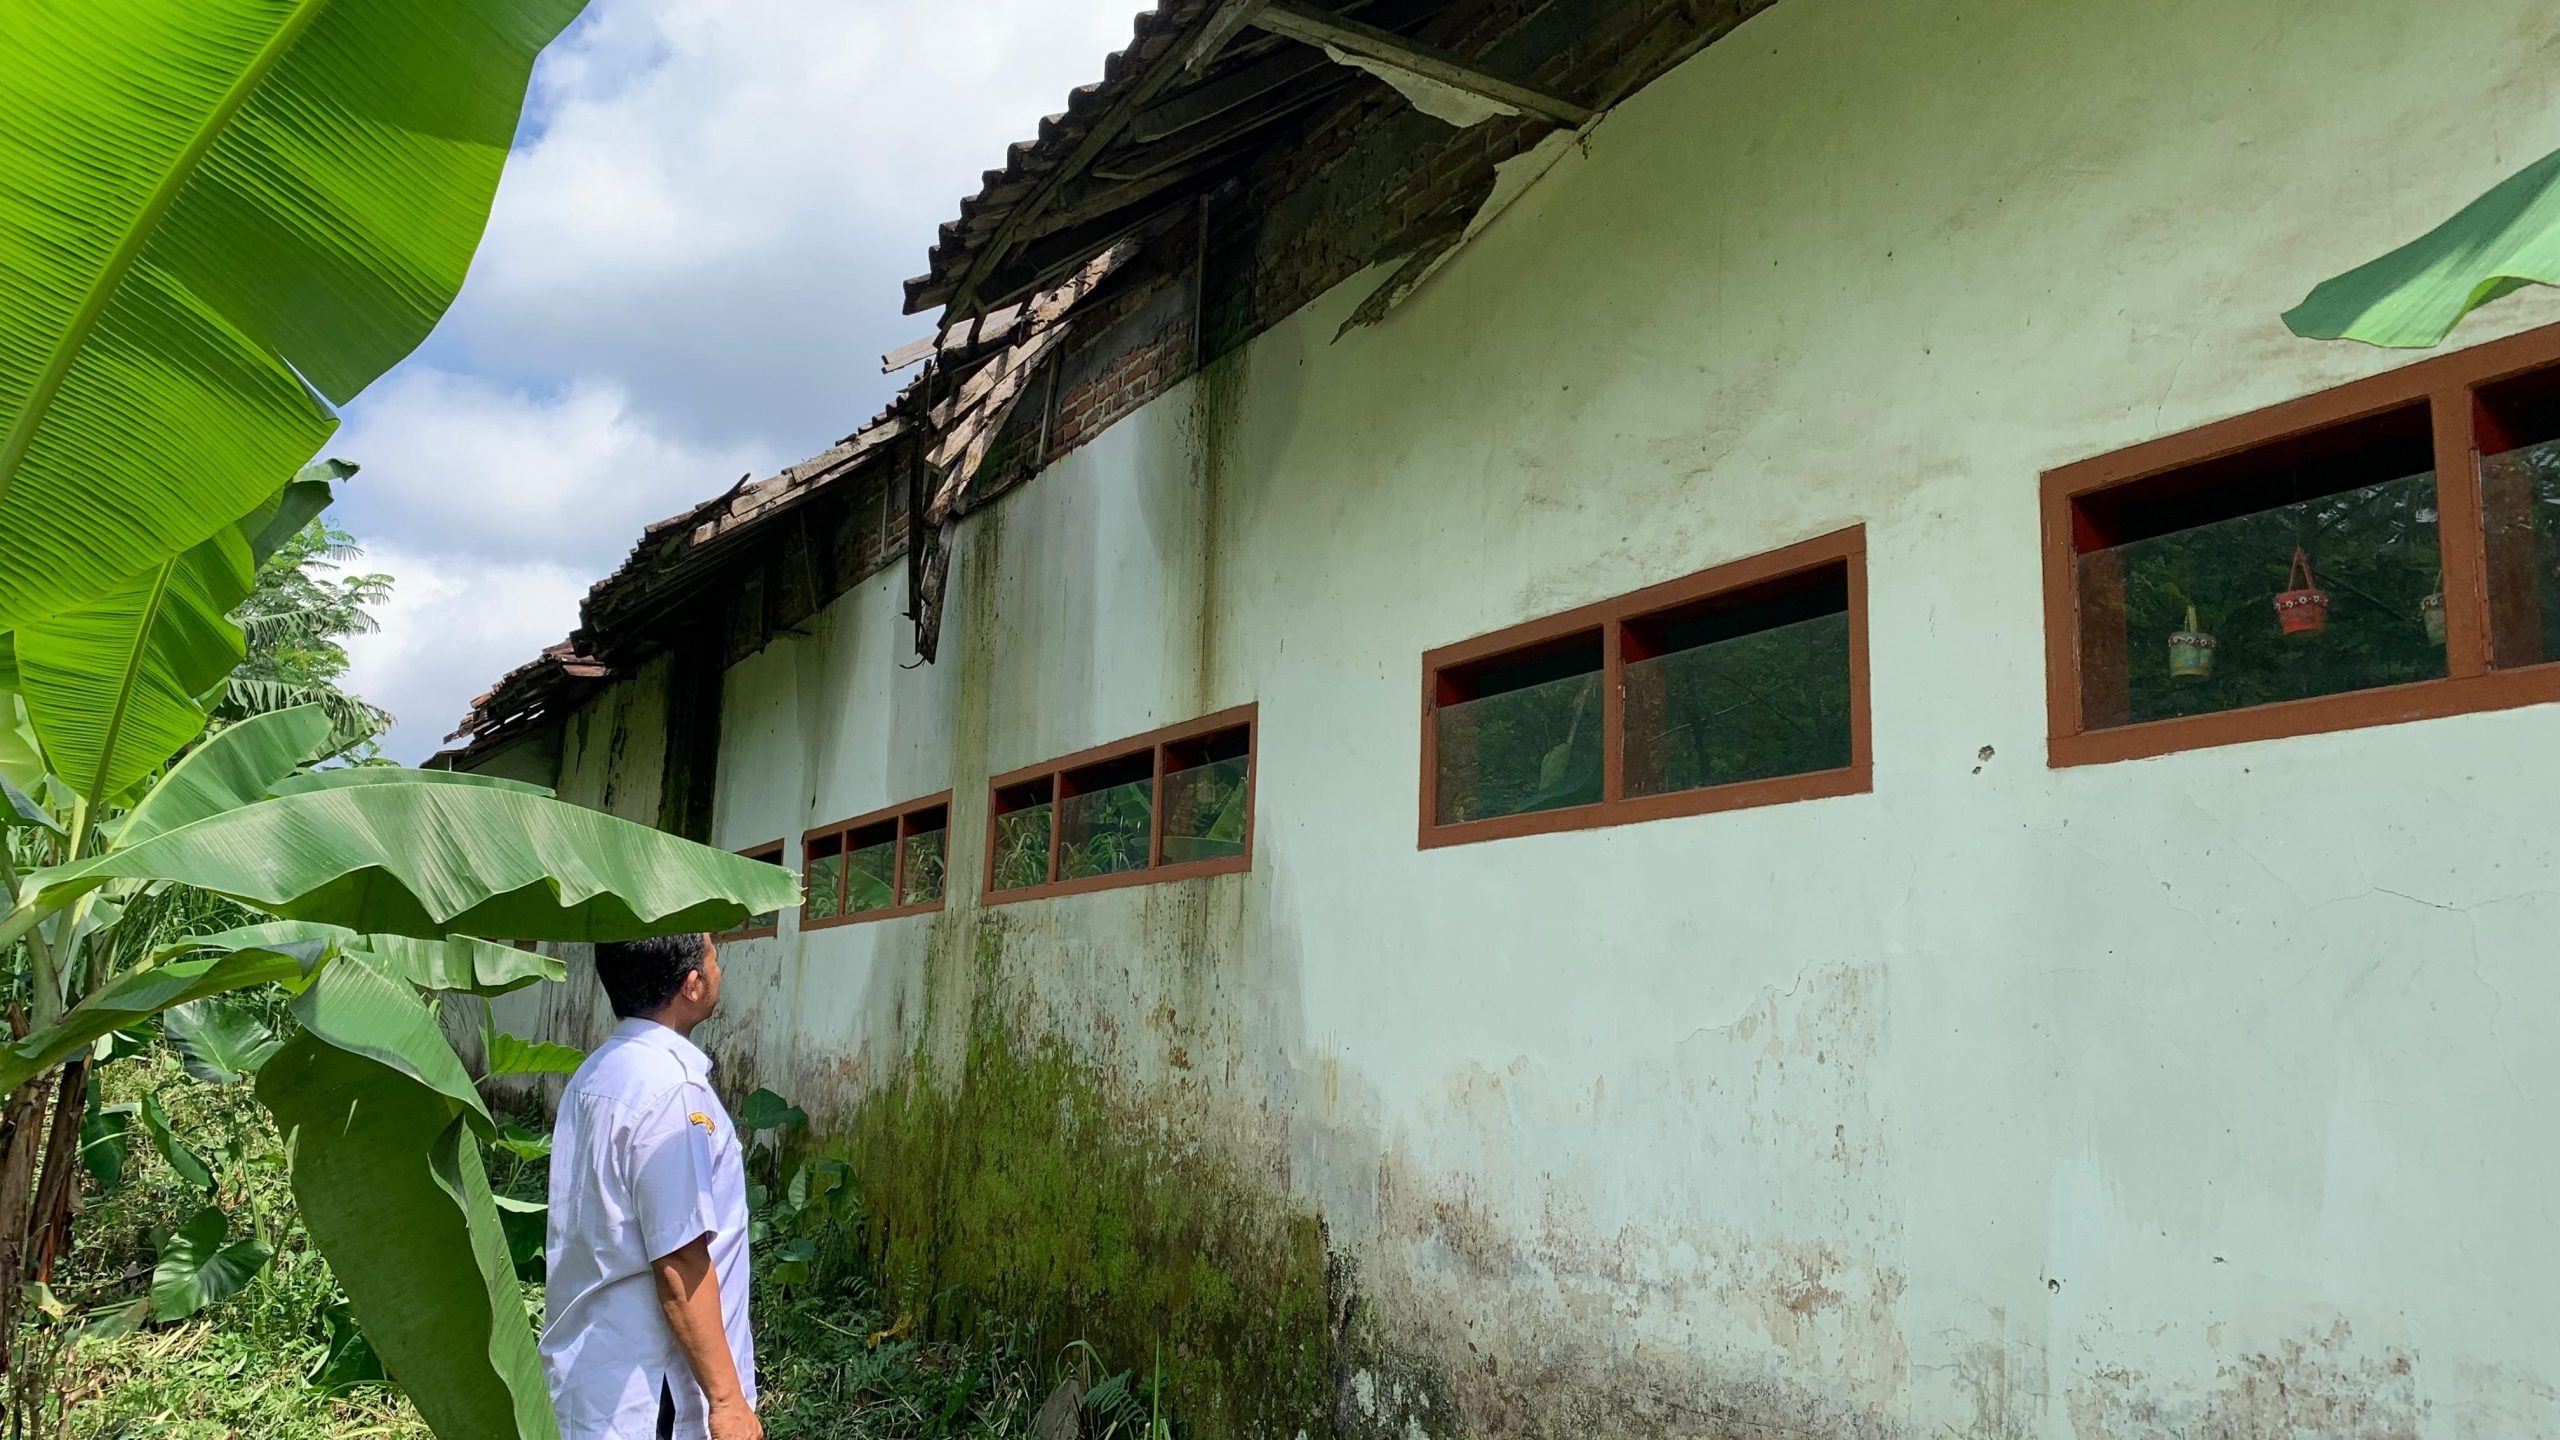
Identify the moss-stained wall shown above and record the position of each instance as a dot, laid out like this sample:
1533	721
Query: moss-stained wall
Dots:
1027	1187
2189	1097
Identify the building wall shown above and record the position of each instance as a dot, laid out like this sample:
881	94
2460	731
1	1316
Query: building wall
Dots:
2204	1095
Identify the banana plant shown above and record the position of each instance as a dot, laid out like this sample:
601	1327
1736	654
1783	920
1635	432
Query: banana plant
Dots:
386	881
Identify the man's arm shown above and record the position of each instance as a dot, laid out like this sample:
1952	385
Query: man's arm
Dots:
689	1294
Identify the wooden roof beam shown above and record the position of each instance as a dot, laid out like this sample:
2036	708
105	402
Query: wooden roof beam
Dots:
1371	43
1251	81
1229	17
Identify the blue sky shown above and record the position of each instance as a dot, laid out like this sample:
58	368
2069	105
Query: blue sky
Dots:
690	274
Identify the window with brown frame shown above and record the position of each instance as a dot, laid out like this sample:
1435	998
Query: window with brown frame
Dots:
2385	551
877	866
769	922
1167	805
1737	686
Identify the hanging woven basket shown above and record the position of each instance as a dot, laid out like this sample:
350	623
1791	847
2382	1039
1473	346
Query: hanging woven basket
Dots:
2302	609
2191	651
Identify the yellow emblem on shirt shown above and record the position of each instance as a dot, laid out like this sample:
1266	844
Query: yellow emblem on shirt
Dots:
708	1128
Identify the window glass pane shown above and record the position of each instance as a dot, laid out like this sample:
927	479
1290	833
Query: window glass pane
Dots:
1536	747
1742	706
924	865
823	886
2520	511
1022	847
869	875
2319	596
1204	806
1104	831
2519	432
765	919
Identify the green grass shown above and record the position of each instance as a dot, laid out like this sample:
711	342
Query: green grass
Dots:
241	1367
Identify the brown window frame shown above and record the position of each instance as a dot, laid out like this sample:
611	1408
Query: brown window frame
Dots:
1845	548
2449	387
1153	743
770	852
900	816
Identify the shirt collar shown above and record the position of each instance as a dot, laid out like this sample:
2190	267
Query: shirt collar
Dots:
651	1033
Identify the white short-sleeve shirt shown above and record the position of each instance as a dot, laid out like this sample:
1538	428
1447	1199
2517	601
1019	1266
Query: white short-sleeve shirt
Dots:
644	1160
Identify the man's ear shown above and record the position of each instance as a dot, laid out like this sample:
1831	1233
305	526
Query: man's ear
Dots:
696	985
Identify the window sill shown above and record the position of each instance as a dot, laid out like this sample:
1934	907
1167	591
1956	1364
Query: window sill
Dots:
1160	875
2320	715
892	912
1746	795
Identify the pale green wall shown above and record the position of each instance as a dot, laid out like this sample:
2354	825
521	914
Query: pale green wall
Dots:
2201	1095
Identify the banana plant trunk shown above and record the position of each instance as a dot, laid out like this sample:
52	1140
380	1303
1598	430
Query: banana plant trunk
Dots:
25	1140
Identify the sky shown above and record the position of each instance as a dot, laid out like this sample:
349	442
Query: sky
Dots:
692	269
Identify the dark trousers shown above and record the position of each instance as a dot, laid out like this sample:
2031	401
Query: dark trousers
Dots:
666	1412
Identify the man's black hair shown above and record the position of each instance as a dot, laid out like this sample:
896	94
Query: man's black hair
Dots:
641	976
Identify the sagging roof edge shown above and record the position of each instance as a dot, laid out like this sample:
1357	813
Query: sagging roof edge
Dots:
980	357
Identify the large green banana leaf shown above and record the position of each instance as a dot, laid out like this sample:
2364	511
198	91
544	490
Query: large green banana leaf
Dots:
114	685
236	767
208	210
387	1174
346	775
292	953
451	962
143	994
2413	297
432	860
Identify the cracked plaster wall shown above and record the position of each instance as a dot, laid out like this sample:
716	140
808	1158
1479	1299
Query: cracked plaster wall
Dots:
2205	1095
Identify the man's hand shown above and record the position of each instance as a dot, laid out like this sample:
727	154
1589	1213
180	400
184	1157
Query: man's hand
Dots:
689	1295
732	1420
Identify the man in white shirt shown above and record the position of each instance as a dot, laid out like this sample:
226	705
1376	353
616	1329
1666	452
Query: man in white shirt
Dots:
647	1290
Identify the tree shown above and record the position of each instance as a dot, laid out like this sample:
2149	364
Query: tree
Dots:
304	605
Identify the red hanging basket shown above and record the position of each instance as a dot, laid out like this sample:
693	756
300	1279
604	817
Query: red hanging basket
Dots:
2302	609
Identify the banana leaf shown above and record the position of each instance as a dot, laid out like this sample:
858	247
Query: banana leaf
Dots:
146	993
351	775
2412	297
388	1180
430	860
233	768
515	1055
115	686
209	210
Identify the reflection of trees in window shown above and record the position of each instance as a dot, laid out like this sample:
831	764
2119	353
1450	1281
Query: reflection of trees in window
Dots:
2373	551
1172	805
1747	688
1205	785
1521	732
923	859
1712	688
1022	847
1104	832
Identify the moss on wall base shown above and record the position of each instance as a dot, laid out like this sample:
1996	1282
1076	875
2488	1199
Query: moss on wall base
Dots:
1030	1188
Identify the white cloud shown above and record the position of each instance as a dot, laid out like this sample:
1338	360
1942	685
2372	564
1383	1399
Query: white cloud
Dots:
692	269
457	463
724	196
444	629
